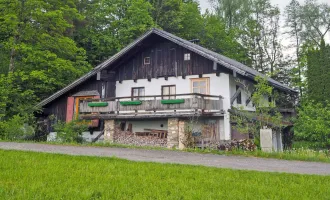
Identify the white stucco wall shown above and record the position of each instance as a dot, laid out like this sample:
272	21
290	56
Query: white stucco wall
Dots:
245	95
218	86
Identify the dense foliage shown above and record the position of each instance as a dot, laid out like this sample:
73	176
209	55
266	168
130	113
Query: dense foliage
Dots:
71	131
318	74
313	124
265	115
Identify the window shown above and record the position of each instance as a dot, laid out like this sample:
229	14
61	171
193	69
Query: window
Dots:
187	56
137	93
168	90
200	85
239	97
147	60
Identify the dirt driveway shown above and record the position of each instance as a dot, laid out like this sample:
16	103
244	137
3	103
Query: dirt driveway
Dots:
220	161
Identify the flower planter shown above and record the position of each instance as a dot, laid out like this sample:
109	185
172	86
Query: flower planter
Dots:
130	103
172	101
98	104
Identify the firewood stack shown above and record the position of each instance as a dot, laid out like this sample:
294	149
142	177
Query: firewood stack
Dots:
125	137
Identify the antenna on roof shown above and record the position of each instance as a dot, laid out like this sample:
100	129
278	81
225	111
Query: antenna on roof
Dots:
195	41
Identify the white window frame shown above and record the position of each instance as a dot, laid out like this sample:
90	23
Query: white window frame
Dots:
172	91
145	60
186	57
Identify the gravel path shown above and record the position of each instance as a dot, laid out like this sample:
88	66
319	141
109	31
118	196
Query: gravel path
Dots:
220	161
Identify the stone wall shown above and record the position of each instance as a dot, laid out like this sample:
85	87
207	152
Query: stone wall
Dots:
109	130
182	135
173	133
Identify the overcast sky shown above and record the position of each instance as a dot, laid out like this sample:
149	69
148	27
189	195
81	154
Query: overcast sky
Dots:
281	3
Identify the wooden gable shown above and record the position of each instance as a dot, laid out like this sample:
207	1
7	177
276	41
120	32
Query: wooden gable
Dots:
166	60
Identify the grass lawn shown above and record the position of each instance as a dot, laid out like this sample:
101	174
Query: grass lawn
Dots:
28	175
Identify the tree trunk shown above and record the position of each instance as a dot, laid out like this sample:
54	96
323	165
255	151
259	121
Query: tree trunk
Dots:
12	60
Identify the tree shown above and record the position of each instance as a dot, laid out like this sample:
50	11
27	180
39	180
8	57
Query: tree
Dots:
318	75
192	21
36	43
168	14
316	21
110	25
216	38
313	124
257	22
234	12
294	24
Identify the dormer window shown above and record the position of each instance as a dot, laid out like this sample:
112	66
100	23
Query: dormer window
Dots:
187	56
147	60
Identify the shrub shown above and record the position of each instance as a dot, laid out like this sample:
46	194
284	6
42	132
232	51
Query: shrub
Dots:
15	128
244	145
71	131
313	124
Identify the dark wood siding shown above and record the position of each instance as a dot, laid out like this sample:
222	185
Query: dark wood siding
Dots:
166	59
58	106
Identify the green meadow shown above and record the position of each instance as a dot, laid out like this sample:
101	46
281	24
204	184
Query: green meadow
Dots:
29	175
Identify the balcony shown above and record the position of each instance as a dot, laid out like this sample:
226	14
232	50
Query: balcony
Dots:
156	106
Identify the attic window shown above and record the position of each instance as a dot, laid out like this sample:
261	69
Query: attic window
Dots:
147	60
187	56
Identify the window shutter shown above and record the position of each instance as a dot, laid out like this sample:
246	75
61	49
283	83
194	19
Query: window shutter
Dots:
95	122
69	109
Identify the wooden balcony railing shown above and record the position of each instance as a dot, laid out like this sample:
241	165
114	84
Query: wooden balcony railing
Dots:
192	102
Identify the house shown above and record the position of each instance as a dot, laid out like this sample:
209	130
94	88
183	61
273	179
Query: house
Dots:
157	87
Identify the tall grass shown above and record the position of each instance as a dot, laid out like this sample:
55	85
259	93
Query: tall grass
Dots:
28	175
301	154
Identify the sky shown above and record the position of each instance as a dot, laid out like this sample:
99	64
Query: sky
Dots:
281	3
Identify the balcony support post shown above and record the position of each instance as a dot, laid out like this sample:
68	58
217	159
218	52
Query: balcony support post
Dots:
173	133
109	131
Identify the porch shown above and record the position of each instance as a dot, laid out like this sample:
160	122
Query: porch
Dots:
156	106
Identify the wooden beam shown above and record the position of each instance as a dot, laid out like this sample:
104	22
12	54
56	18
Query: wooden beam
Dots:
98	76
234	97
248	101
215	66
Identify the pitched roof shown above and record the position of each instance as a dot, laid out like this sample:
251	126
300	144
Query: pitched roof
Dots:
218	58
